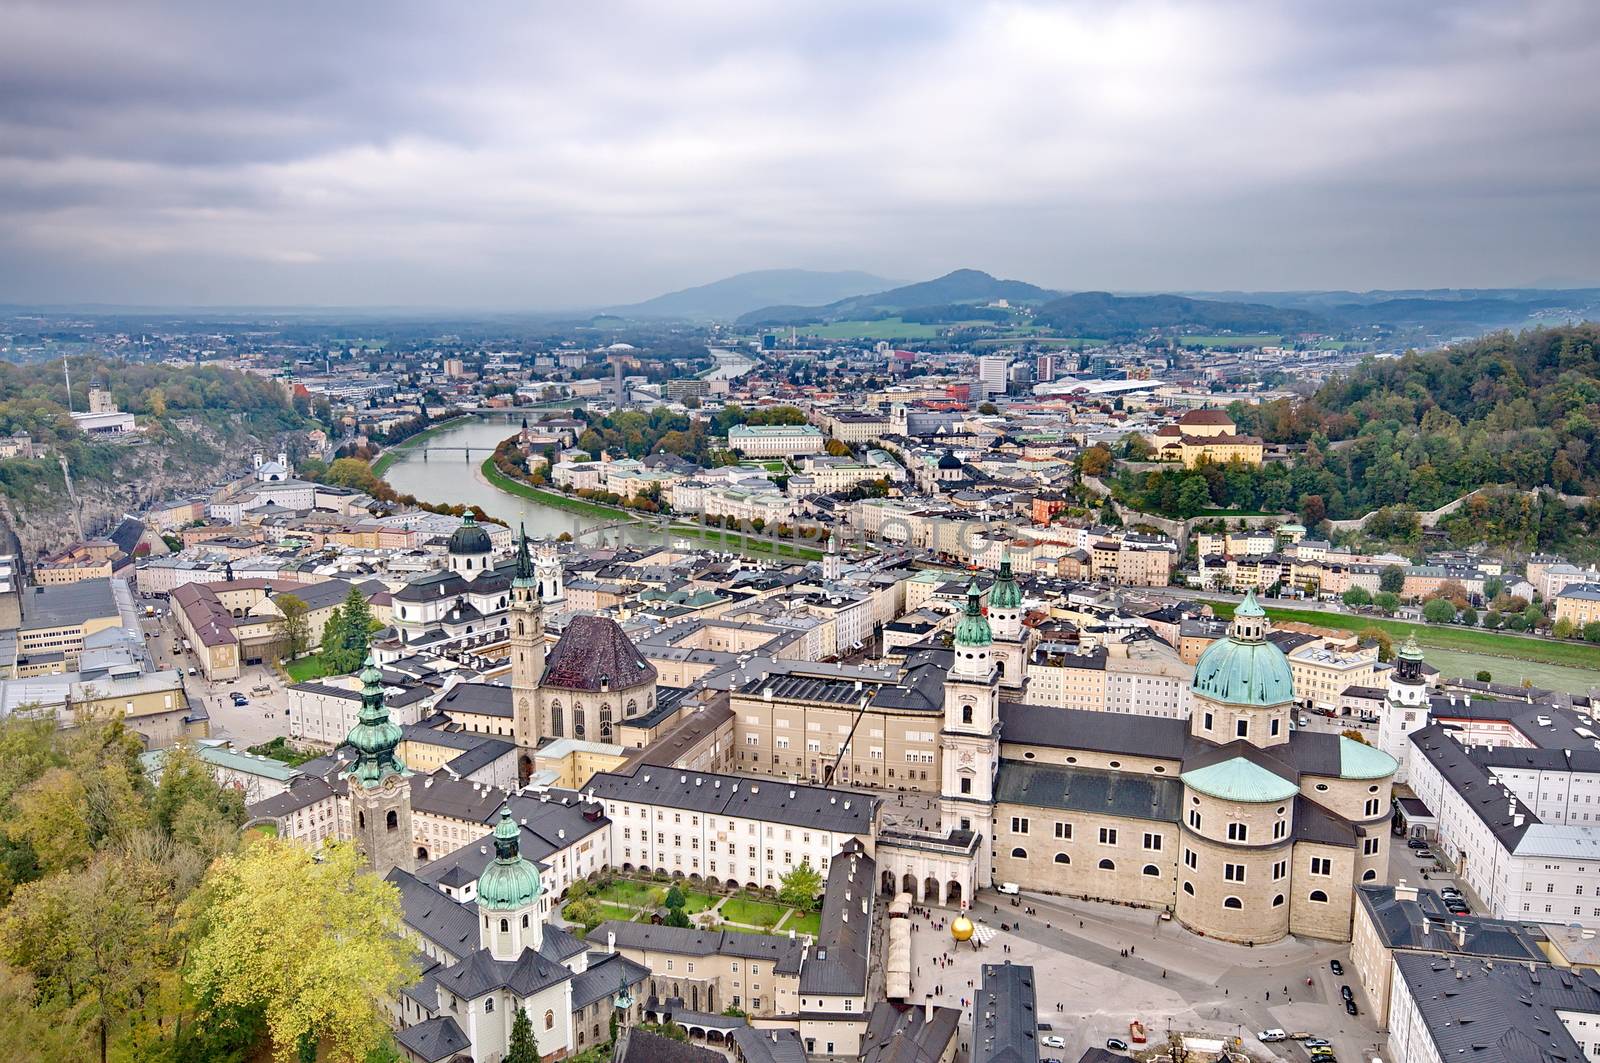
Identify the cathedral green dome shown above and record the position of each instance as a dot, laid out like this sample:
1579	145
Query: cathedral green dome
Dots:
1005	594
1244	668
972	630
470	538
375	736
510	882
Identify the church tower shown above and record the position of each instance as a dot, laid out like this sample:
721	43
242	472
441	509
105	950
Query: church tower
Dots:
380	785
1406	706
832	562
526	618
547	567
510	899
970	741
1010	651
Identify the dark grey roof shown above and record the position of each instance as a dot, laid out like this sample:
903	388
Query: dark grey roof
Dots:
479	973
303	792
1498	1012
66	604
448	924
769	1045
839	963
816	807
1005	1017
559	944
485	699
434	1040
1313	823
603	976
898	1033
641	1046
782	952
1103	732
1417	920
1498	809
1112	793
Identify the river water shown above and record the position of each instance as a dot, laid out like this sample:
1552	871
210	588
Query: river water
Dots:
451	476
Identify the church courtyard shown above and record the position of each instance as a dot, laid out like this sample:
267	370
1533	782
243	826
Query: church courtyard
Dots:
636	900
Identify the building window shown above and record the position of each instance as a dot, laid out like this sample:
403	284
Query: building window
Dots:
1188	887
1277	902
1241	728
1232	902
966	714
1191	859
1372	806
1064	830
1152	870
1207	719
488	1005
1321	865
966	785
1107	865
1019	825
1233	872
1194	818
1063	858
392	820
1020	854
1152	842
1108	835
1280	828
549	1020
1318	896
1238	832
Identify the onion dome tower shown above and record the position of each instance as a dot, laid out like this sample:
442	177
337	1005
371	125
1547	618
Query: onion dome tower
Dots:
380	784
469	549
1243	686
510	896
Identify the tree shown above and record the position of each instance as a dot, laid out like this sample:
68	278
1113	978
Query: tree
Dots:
1388	601
1376	636
676	917
1492	588
523	1048
294	627
314	942
837	448
1591	631
1392	579
1194	498
1096	461
675	897
1534	616
1313	510
1493	620
988	409
1485	676
799	888
347	635
1563	628
1439	611
1355	736
1356	597
586	912
1468	616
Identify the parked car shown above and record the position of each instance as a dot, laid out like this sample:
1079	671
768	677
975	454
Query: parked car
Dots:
1350	1006
1424	853
1450	892
1116	1044
1416	843
240	699
1010	889
1336	967
1269	1036
1344	991
1053	1041
1317	1042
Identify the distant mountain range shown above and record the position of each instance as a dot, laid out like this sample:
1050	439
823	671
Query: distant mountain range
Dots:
731	297
963	286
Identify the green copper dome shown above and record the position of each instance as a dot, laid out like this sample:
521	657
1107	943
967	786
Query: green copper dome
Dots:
1005	594
375	737
972	630
1244	668
510	882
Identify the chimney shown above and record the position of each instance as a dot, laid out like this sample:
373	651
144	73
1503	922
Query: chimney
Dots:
927	1011
611	941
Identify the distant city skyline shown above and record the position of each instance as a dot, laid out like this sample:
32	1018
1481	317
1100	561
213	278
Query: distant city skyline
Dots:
541	157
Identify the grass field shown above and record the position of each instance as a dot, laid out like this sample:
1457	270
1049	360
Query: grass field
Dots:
553	499
1240	340
630	892
392	454
755	547
1576	655
306	669
754	913
1454	663
809	923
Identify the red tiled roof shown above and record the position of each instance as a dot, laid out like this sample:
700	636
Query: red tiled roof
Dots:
592	649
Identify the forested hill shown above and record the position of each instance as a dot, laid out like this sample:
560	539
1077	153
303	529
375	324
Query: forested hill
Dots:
1417	432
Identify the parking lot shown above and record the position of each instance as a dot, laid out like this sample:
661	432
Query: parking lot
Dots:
263	719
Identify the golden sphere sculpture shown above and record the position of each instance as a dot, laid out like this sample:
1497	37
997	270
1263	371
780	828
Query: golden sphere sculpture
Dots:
961	928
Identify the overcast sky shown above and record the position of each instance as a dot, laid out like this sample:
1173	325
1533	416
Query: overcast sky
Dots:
535	155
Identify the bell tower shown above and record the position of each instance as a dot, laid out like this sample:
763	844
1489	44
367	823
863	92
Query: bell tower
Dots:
969	744
547	568
510	896
380	785
526	619
1406	706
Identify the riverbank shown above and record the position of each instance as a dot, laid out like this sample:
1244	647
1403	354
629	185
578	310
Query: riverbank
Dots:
1445	637
730	540
393	454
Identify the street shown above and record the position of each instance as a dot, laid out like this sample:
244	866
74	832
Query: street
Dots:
263	719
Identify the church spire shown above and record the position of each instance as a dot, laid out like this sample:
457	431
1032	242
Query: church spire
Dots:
972	630
524	573
375	737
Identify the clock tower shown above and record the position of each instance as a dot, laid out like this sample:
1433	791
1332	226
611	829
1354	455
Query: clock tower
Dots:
527	651
970	741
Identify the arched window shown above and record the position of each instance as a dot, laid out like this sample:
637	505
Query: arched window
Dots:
505	925
966	714
392	820
1188	887
633	707
605	720
1369	874
1277	902
519	625
556	727
1152	870
1318	896
1107	865
1020	854
1232	902
1063	858
549	1020
361	820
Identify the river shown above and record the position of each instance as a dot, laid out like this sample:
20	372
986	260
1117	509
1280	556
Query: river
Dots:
452	476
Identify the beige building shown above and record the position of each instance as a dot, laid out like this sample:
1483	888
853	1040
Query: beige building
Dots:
1579	604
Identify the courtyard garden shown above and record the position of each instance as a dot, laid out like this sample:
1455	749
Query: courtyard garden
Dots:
677	903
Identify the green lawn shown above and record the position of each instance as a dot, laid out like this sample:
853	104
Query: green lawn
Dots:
554	499
1446	637
755	546
755	913
306	669
629	891
809	923
617	911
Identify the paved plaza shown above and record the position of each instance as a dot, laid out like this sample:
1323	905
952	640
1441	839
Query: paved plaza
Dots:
1088	990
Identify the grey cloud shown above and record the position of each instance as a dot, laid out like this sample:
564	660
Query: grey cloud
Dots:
544	154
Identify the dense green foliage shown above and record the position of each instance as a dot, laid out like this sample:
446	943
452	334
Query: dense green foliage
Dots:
1412	434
